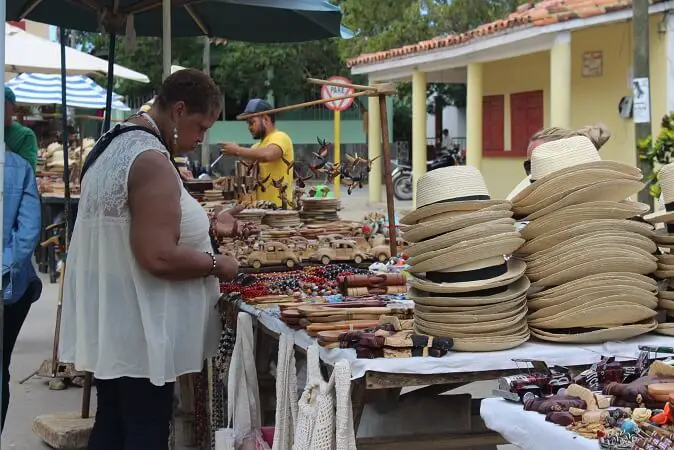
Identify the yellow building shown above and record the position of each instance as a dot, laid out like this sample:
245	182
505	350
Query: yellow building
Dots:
565	65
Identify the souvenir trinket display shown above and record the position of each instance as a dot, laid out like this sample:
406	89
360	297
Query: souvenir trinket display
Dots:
367	285
582	249
461	284
320	210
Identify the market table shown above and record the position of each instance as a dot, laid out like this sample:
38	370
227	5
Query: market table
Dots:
381	380
529	430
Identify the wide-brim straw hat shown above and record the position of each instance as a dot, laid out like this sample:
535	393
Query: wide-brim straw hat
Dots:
596	334
453	188
585	211
479	310
442	225
447	240
466	252
663	238
511	290
601	239
666	180
479	315
592	294
554	237
607	190
554	190
607	311
633	264
540	269
601	280
515	269
561	157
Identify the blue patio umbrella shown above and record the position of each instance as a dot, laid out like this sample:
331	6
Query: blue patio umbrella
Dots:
81	91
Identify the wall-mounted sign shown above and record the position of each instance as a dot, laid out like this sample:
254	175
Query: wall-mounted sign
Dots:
593	64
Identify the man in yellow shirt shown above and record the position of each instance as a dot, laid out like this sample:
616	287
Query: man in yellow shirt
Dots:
273	148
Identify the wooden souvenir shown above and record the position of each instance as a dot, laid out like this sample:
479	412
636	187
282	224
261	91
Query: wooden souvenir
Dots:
339	250
273	253
282	187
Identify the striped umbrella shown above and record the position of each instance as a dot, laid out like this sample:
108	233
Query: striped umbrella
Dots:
42	89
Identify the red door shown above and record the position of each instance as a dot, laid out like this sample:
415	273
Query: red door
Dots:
492	124
526	118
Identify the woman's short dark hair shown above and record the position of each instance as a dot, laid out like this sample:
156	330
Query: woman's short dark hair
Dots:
193	87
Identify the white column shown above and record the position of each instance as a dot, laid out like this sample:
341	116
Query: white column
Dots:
419	114
474	94
560	81
374	149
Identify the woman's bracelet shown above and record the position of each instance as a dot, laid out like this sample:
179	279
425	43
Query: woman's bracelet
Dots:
214	266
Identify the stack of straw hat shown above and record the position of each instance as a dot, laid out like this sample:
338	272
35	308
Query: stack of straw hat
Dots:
664	238
585	257
462	285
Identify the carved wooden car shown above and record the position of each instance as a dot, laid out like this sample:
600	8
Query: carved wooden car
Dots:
273	253
339	250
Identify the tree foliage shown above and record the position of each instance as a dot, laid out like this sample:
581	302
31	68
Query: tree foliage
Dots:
383	24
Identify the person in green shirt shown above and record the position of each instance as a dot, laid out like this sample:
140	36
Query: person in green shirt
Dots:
18	139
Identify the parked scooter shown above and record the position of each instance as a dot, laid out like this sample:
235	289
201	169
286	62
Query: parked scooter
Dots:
402	175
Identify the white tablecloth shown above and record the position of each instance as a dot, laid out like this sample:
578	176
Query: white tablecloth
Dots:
529	430
458	362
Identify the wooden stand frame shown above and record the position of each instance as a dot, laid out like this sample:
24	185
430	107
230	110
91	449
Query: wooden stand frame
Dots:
381	91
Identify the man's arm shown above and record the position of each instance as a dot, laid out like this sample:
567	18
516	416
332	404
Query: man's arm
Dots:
269	153
26	234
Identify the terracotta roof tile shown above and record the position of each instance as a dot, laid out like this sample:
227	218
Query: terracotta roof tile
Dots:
540	14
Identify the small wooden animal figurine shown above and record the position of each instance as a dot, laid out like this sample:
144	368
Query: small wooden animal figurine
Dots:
289	164
250	166
323	151
261	183
282	191
300	180
297	198
320	192
355	182
370	161
331	172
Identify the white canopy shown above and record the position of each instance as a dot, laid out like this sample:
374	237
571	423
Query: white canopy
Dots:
25	52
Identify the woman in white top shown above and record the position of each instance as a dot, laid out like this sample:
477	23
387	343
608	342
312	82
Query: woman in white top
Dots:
142	279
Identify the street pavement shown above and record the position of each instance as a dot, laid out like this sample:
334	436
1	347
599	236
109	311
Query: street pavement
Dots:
35	343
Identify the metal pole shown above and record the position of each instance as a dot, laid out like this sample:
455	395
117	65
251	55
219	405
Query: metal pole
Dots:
109	86
2	180
641	85
205	146
166	37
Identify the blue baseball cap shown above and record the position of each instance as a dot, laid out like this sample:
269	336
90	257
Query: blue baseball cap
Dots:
257	105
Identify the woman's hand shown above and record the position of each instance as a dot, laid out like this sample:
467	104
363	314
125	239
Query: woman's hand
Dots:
226	267
226	224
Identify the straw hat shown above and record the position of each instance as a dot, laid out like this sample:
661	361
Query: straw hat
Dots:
514	270
453	188
496	294
581	212
446	240
666	179
434	228
466	252
595	334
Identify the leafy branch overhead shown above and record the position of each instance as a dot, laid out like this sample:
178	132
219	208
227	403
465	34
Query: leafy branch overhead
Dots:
658	151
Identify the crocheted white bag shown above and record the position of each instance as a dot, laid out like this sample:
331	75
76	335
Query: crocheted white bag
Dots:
345	434
286	394
306	407
243	395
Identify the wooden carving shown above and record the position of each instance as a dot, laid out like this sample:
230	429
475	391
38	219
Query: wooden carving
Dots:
282	187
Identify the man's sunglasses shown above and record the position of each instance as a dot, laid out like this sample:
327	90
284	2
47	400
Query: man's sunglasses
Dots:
527	167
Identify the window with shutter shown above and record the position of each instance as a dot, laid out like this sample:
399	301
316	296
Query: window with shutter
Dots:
526	118
493	122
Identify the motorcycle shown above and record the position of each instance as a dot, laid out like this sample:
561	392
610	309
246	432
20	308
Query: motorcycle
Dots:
402	174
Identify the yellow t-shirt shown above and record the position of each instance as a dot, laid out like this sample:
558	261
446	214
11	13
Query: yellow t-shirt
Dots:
277	169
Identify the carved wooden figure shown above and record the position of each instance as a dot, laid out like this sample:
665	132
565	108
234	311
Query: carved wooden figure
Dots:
282	187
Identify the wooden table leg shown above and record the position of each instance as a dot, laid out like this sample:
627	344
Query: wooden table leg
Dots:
358	390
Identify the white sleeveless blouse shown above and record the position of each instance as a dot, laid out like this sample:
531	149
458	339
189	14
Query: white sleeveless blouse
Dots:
118	320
